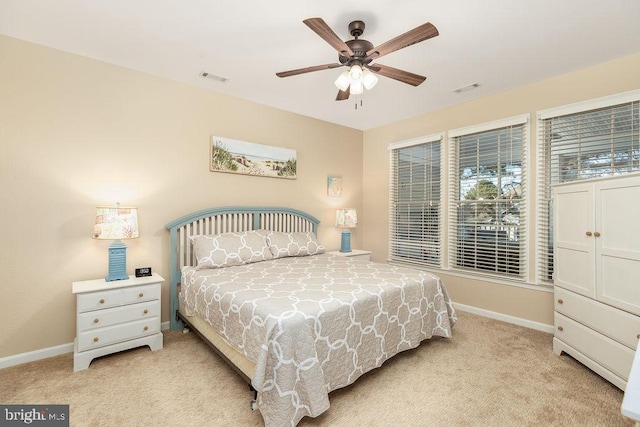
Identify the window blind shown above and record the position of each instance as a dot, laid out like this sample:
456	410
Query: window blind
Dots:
487	187
415	212
579	143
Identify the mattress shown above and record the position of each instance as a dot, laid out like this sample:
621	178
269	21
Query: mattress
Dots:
314	324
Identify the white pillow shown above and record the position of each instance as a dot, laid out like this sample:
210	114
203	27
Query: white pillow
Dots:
293	244
227	249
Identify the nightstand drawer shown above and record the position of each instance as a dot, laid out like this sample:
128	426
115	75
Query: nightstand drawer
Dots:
118	333
140	293
99	300
113	316
116	297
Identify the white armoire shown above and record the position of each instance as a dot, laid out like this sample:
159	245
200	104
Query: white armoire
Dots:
597	273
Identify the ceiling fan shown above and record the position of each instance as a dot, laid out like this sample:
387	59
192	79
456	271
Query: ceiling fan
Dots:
358	55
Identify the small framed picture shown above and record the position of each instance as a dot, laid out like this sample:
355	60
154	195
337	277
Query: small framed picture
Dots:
334	186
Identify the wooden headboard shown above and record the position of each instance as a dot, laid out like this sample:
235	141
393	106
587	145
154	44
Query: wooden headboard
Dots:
225	220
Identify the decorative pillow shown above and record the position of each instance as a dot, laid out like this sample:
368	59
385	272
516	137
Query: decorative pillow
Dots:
293	244
227	249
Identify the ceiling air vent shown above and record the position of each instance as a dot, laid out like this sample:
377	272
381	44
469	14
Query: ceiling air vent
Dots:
466	88
213	77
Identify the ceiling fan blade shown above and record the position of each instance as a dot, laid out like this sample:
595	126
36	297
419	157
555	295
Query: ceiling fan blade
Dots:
343	94
418	34
396	74
307	70
323	30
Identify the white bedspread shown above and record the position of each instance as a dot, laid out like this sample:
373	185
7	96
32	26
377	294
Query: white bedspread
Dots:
315	324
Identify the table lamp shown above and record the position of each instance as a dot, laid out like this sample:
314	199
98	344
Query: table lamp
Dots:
346	218
116	223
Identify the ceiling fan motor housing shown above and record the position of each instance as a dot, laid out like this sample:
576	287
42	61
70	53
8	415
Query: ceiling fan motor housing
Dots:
359	47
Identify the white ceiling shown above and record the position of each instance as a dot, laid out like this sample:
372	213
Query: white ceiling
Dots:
499	44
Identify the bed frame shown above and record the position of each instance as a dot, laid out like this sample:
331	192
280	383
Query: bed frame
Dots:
216	221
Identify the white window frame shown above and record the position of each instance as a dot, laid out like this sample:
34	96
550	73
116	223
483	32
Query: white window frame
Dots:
453	179
392	148
543	192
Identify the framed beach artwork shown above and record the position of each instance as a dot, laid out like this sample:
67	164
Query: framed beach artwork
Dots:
248	158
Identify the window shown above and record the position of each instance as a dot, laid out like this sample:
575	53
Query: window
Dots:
487	209
415	201
579	141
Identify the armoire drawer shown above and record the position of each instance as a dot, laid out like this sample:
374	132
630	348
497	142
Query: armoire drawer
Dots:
612	322
605	351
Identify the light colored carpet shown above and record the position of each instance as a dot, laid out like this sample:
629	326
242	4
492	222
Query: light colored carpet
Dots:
489	374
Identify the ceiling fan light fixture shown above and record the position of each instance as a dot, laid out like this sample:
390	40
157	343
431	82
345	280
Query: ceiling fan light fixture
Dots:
356	87
369	80
343	81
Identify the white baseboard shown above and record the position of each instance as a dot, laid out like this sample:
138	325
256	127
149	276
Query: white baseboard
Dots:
45	353
505	318
32	356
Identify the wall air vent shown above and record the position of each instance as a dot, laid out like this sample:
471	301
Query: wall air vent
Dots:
213	77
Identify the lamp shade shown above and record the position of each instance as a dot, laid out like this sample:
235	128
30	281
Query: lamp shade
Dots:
343	81
356	87
369	79
115	223
346	218
355	72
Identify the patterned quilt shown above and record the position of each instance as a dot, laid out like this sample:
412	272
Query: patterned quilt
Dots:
315	324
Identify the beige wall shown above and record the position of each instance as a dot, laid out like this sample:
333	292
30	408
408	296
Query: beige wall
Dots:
76	133
605	79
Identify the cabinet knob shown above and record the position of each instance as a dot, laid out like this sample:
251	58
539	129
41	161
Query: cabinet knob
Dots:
145	311
146	328
638	336
101	300
560	301
589	233
560	328
96	320
140	294
597	234
96	339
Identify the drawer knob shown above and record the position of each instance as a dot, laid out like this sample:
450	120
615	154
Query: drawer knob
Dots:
146	328
560	301
560	328
145	311
96	339
101	300
638	336
589	233
96	320
140	294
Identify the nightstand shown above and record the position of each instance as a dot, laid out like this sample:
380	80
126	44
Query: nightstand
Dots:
115	316
355	253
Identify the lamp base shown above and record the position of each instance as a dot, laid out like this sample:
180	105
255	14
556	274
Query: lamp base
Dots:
117	262
345	244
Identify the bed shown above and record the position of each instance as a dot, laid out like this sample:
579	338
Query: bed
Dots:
294	321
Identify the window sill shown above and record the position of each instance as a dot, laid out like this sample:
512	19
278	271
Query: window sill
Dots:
542	287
